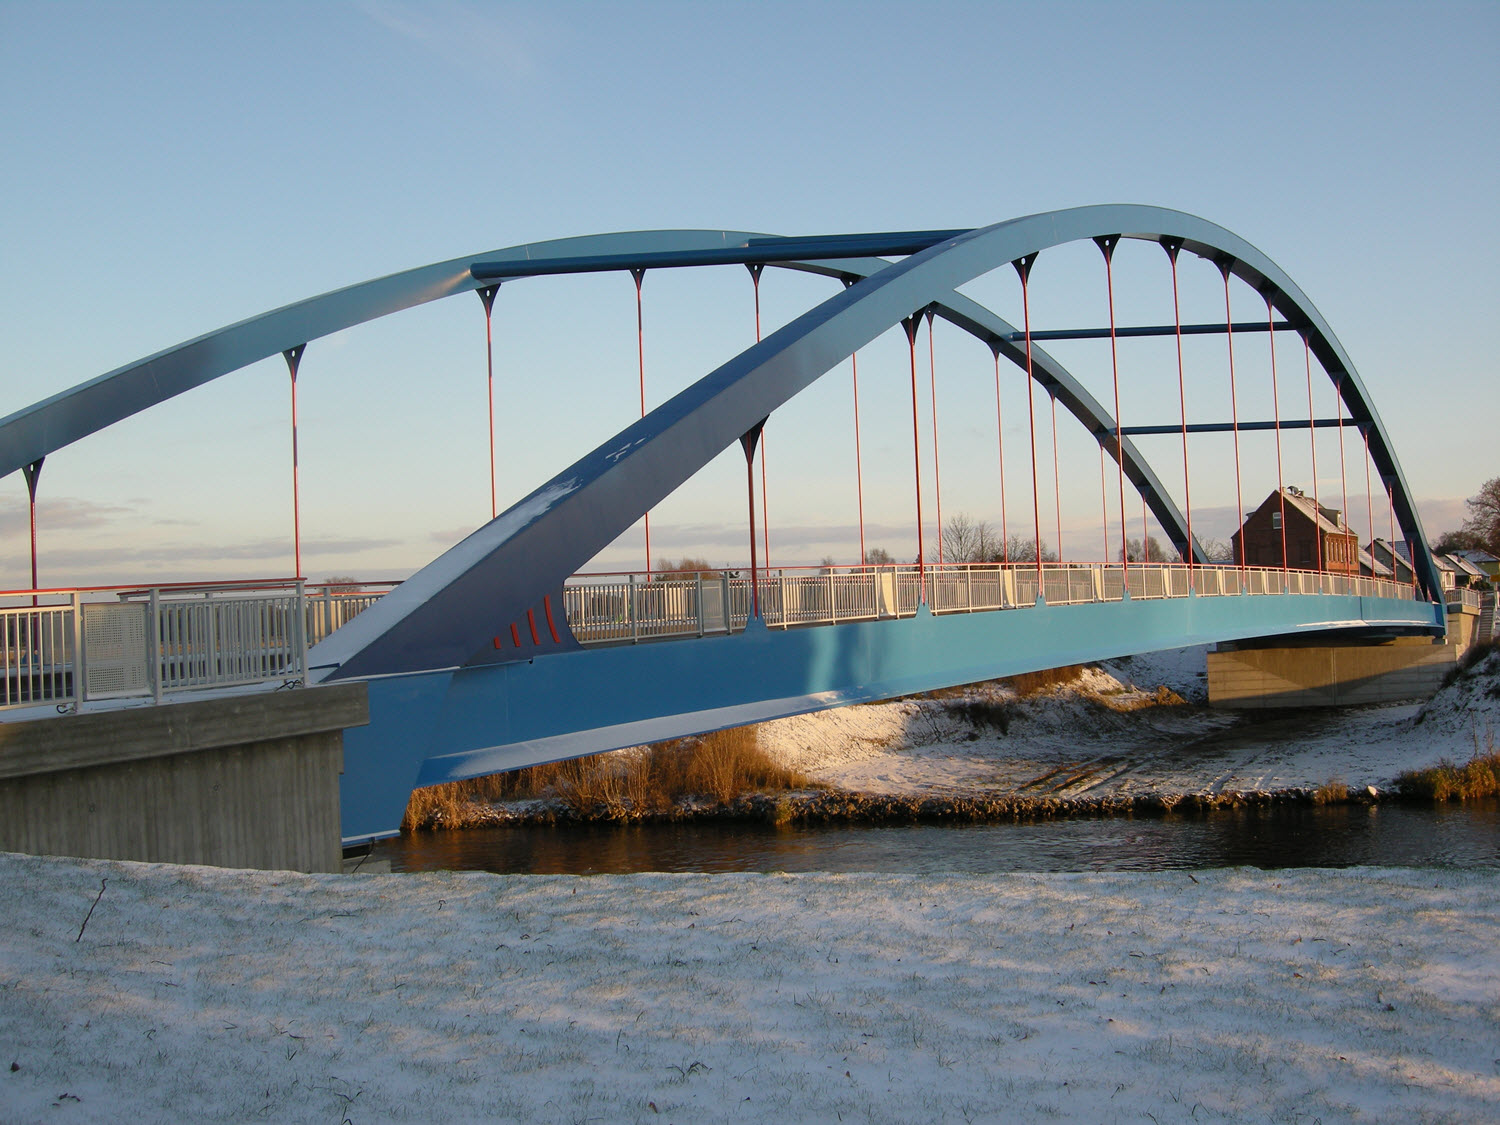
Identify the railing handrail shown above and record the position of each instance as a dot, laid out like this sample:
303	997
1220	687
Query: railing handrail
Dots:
217	634
67	654
629	607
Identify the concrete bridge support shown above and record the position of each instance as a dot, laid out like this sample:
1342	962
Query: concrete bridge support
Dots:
239	781
1246	676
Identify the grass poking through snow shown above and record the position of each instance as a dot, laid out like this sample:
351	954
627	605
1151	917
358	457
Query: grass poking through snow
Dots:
1448	781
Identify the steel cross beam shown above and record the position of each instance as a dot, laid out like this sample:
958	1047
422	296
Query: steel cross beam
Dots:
1226	427
754	251
1135	330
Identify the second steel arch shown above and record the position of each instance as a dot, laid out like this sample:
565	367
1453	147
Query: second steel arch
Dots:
517	563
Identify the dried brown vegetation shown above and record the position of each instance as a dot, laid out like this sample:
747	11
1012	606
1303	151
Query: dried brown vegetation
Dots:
1163	696
1448	781
1029	683
1331	793
650	779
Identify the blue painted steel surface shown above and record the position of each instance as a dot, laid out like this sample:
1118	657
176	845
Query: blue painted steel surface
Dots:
516	564
449	699
31	433
432	727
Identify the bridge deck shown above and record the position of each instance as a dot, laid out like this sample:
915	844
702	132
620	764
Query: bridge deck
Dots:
432	727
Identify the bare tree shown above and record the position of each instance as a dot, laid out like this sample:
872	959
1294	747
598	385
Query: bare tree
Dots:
1217	550
1024	550
688	567
967	540
1153	552
878	556
1459	540
1484	516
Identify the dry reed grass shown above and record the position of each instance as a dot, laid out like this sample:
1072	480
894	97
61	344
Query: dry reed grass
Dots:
1029	683
1331	793
1448	781
1163	696
650	779
1025	684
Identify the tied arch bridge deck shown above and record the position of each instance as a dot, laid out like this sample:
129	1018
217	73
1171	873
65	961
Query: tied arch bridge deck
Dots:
472	665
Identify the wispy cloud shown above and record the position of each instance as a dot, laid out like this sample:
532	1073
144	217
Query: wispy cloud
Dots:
447	537
153	555
498	42
62	513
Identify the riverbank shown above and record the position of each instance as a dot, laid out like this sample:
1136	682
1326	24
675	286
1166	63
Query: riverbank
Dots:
155	993
1132	737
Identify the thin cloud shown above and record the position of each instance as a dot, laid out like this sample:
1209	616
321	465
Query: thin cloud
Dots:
467	34
255	550
60	514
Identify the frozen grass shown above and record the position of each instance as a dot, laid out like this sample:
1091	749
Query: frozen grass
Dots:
1232	995
1447	781
645	779
1331	793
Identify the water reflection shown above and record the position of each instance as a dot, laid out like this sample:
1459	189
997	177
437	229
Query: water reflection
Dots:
1447	836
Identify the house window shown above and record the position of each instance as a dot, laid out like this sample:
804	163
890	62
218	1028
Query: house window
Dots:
1275	521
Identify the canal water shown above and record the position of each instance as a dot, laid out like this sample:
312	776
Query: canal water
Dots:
1456	835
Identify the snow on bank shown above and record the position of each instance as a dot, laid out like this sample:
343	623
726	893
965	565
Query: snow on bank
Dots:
1105	736
202	994
1469	707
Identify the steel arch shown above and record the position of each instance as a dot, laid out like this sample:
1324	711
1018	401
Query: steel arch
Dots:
39	430
527	552
36	431
55	422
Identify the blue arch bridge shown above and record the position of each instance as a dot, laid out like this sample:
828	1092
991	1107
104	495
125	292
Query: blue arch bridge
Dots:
495	656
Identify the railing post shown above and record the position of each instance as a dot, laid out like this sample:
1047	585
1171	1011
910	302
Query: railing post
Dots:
153	643
727	608
699	596
211	641
302	630
80	662
833	604
630	608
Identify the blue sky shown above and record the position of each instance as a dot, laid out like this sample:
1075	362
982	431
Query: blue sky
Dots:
171	168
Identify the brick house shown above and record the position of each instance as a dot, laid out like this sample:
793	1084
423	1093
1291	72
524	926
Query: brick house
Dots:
1314	533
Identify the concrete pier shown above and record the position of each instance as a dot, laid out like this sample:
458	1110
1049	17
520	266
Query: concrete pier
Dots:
249	780
1328	675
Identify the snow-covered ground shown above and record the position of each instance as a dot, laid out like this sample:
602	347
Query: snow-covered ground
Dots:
1105	735
196	994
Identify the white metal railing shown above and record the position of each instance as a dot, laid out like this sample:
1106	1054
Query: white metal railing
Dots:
117	642
636	607
1465	597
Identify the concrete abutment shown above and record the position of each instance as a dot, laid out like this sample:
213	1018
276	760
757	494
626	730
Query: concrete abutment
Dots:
248	780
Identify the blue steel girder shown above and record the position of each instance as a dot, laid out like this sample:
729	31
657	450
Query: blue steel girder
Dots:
35	431
515	565
440	726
